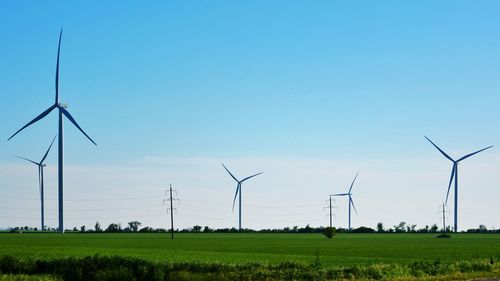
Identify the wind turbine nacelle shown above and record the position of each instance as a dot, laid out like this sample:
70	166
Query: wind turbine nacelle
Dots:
44	165
63	105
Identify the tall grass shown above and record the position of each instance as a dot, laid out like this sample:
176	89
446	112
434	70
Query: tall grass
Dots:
23	277
122	268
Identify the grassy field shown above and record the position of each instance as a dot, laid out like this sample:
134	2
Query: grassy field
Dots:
343	250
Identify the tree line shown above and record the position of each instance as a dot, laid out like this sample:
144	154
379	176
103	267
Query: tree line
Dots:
135	226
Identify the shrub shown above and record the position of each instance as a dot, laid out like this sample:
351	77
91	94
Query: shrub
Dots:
329	232
444	235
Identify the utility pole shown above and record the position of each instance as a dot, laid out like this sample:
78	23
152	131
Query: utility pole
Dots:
443	213
330	206
444	219
171	199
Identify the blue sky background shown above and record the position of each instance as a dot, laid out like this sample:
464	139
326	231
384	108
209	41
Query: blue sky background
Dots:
168	90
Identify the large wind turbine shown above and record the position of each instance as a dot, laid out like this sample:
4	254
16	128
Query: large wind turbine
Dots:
41	165
62	111
351	203
238	191
454	177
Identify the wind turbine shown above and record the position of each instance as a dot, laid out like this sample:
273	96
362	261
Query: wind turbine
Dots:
238	191
351	203
62	111
454	177
41	165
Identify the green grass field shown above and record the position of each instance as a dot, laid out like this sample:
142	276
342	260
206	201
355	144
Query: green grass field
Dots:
342	250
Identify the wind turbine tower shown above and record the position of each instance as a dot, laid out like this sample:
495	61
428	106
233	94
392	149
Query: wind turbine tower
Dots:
62	112
351	202
40	166
454	177
238	192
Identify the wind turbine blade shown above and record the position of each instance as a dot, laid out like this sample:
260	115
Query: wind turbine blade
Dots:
46	153
352	202
230	173
352	184
473	153
453	171
43	114
236	194
250	177
440	150
27	160
340	194
66	113
57	67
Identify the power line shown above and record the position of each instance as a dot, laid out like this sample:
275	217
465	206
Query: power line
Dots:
83	200
88	209
92	218
283	206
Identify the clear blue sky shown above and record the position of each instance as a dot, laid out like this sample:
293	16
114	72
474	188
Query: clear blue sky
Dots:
166	83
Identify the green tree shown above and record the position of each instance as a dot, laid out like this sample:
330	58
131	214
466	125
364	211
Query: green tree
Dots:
434	228
400	227
113	227
483	228
380	227
134	225
97	227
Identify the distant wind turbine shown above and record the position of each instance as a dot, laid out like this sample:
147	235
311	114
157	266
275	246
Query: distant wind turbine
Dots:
454	177
238	191
351	202
62	111
41	165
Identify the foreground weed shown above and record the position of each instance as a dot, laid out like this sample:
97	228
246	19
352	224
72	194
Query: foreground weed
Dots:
110	268
23	277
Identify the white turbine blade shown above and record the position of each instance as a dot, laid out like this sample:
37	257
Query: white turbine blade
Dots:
352	184
453	171
230	173
250	177
473	153
43	114
352	202
27	160
440	150
57	67
236	194
66	113
46	153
